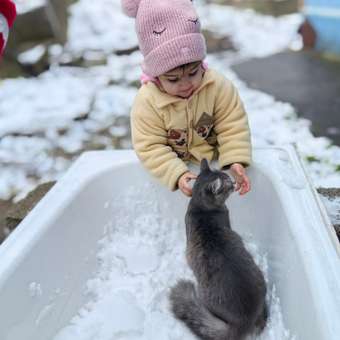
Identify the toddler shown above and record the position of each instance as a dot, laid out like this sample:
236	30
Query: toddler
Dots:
184	111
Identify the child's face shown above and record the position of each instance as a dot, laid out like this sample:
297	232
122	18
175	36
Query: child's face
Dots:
182	81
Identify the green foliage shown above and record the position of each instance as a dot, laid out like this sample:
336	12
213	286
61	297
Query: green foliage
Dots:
311	159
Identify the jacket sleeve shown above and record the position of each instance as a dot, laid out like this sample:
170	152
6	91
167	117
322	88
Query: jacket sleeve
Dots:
231	126
149	138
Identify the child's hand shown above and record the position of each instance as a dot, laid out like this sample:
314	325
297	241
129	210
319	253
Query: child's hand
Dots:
183	183
242	181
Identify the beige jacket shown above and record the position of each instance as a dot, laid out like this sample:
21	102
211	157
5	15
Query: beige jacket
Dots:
168	131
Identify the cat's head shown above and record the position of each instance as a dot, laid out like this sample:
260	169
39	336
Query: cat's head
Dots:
212	187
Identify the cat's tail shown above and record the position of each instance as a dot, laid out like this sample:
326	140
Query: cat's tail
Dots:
187	308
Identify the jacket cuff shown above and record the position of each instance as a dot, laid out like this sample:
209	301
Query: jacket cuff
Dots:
173	182
227	167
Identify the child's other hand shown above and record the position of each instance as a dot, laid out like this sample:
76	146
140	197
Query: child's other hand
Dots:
183	183
242	181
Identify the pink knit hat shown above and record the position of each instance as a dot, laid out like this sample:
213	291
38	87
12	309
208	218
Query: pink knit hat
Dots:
168	32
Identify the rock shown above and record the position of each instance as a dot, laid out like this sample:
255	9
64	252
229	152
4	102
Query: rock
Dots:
45	22
10	68
127	51
13	214
34	59
38	23
4	207
60	9
330	193
67	59
337	230
217	43
270	7
331	197
308	34
94	58
88	59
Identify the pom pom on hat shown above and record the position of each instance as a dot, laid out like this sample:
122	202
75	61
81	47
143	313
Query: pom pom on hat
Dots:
130	7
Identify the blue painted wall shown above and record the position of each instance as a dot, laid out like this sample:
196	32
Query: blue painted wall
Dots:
323	3
325	18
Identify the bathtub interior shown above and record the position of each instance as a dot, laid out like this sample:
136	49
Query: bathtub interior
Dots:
45	287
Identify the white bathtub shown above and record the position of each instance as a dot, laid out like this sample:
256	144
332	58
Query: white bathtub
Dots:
52	253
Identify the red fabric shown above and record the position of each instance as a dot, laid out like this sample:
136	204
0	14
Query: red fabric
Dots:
8	10
2	44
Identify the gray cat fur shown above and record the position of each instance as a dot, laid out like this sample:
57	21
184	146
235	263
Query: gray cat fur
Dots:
228	302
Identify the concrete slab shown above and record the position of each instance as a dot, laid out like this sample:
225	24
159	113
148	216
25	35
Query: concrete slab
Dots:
309	83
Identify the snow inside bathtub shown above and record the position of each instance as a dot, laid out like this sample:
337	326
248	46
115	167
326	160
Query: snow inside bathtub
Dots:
140	257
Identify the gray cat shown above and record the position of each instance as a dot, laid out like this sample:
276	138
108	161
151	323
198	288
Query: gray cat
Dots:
229	300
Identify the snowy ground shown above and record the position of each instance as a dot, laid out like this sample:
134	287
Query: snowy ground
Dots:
46	122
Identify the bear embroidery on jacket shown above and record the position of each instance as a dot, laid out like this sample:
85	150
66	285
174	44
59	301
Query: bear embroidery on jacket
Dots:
185	156
204	125
178	136
178	140
204	128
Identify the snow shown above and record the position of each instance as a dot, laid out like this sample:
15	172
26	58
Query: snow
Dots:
101	26
33	55
126	320
141	256
26	6
255	35
35	289
3	27
111	102
53	99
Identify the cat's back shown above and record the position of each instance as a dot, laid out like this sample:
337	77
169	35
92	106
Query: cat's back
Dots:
217	254
224	269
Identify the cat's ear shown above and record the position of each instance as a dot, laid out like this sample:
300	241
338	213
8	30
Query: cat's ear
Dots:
204	165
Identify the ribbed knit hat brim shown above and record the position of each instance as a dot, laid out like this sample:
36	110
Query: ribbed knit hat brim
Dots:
174	53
